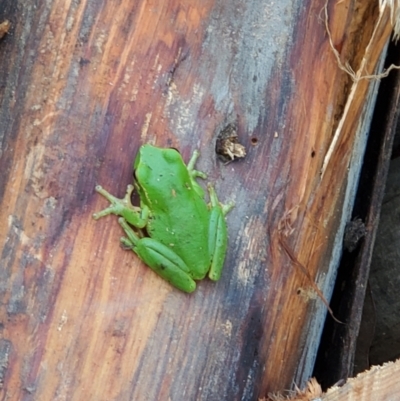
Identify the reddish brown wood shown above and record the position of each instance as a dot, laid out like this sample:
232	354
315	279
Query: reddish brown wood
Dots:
83	85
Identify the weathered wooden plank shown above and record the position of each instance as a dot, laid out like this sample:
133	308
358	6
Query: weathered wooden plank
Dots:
85	83
339	342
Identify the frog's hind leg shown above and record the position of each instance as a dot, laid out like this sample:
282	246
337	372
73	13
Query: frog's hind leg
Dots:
218	234
161	259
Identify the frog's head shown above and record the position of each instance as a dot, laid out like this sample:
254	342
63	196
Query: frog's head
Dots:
144	155
153	164
150	155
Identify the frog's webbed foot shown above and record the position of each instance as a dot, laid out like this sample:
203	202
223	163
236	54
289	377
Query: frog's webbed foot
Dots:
131	238
215	202
196	173
117	205
123	207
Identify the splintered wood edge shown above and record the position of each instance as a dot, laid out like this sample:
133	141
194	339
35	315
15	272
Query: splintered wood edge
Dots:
379	383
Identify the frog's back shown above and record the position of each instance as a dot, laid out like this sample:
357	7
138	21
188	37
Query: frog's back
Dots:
179	215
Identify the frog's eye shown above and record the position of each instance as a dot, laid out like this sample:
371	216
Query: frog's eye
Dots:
172	155
174	149
142	174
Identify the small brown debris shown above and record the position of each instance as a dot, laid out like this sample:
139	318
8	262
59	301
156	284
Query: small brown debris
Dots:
227	145
4	28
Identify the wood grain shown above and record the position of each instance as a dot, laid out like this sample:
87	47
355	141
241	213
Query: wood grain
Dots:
83	85
378	383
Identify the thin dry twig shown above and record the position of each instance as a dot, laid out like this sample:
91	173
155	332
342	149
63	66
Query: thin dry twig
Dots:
357	77
284	230
394	6
346	67
290	253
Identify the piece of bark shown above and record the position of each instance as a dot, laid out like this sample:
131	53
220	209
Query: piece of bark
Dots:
85	84
378	383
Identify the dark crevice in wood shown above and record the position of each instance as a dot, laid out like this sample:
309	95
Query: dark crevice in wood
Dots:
335	357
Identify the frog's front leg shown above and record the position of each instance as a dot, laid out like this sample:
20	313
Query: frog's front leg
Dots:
134	215
193	173
161	259
190	166
217	234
